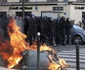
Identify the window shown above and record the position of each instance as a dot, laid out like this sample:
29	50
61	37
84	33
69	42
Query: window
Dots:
65	0
3	0
24	0
83	0
80	0
51	0
12	0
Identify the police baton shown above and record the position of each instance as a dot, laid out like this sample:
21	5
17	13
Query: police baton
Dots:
77	55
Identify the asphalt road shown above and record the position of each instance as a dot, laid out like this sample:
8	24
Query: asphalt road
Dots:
68	52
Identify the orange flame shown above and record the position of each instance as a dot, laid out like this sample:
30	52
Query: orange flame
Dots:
54	66
44	47
10	50
63	63
56	62
17	41
17	44
58	65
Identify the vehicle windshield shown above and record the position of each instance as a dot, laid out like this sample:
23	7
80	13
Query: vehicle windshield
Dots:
77	27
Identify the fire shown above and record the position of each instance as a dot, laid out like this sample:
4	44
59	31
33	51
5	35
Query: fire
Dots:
10	50
56	63
17	41
15	46
44	47
54	66
63	63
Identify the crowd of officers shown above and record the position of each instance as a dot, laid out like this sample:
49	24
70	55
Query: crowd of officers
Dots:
52	31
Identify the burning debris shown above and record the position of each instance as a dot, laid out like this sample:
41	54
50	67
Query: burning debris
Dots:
56	63
11	50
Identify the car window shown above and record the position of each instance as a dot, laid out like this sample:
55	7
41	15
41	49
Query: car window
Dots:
77	27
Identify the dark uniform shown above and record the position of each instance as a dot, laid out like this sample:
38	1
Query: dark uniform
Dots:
43	30
58	35
63	30
50	35
3	26
53	27
31	30
26	24
68	29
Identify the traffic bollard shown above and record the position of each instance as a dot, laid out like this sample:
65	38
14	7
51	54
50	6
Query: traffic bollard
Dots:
77	56
38	50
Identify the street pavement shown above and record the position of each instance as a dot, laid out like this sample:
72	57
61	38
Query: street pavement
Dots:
68	53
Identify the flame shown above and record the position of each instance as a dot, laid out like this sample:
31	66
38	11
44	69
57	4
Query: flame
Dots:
44	47
17	41
16	45
56	63
10	50
63	63
54	66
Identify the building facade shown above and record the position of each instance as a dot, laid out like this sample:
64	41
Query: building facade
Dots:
74	9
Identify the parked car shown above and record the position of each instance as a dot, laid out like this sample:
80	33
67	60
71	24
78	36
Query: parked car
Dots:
77	34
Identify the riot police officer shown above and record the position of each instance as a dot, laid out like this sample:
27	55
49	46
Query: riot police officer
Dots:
63	30
58	28
68	30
